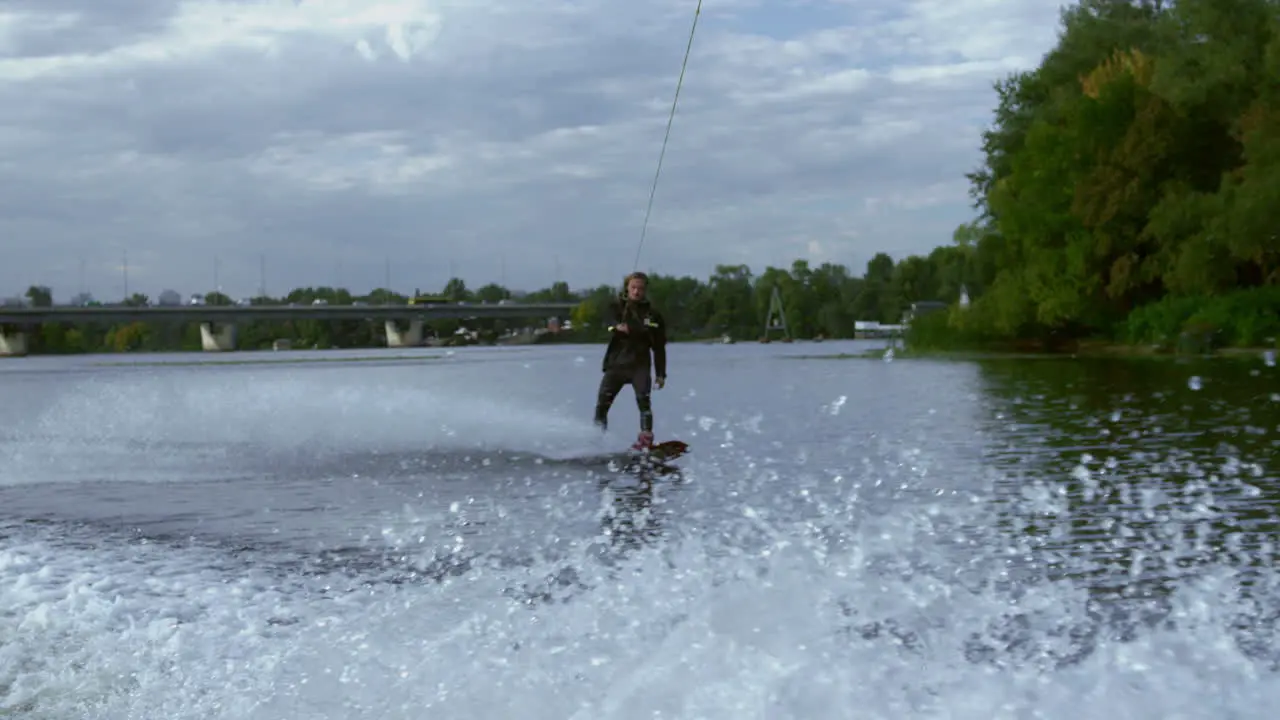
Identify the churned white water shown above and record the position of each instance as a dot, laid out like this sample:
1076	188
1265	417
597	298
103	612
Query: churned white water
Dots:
849	539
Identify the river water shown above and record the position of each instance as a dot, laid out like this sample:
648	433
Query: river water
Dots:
424	534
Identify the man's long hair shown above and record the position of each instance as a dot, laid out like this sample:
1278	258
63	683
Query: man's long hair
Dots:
637	275
630	311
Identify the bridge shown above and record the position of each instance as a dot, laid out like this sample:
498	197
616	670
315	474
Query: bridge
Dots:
218	322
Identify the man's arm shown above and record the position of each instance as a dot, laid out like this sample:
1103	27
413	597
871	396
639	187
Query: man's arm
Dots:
659	338
615	314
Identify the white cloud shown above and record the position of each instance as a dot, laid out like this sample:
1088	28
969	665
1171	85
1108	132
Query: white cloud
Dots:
339	133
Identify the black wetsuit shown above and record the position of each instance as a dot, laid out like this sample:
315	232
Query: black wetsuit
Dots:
626	360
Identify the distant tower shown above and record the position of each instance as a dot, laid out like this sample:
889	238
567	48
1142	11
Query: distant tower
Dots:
777	317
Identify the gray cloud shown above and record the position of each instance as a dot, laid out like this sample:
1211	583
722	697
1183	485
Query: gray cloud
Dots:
330	136
59	27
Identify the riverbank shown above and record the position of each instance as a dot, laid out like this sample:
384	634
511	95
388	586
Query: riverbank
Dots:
1083	350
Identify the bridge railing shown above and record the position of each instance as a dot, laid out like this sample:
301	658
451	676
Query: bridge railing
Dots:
249	313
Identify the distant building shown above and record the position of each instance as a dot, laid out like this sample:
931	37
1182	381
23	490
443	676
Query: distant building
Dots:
865	329
919	309
169	298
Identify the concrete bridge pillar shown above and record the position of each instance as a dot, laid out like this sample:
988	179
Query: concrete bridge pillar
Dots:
217	338
13	342
406	338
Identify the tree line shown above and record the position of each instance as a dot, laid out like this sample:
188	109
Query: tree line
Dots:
822	301
1130	182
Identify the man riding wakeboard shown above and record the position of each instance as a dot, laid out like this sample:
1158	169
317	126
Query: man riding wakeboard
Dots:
636	331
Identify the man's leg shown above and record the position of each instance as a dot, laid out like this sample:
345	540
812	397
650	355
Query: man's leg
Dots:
643	384
610	385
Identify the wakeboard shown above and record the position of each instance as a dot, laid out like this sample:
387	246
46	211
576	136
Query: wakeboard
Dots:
655	459
635	460
661	452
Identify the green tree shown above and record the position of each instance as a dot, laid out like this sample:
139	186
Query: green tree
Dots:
40	296
1133	164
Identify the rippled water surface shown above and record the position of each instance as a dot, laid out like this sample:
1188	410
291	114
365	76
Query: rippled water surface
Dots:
443	535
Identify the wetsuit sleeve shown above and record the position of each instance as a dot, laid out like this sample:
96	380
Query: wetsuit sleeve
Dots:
659	340
615	315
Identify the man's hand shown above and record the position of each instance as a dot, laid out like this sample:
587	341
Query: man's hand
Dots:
660	381
620	327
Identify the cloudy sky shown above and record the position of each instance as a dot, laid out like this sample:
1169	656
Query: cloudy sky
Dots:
332	140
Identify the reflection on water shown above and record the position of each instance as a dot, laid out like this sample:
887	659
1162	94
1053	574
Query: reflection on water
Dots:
1133	475
635	505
